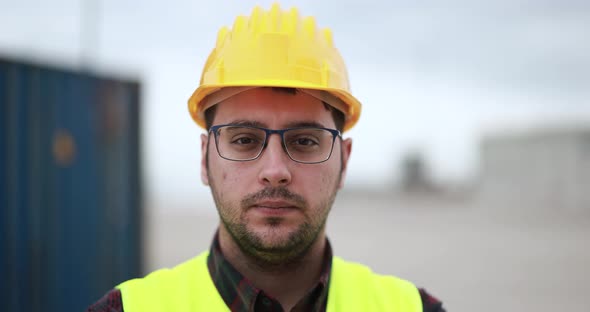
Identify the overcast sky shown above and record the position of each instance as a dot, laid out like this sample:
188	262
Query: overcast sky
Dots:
433	76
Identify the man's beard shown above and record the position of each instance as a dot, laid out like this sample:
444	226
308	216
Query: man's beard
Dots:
278	254
293	249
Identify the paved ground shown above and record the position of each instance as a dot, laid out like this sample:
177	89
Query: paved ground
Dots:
473	258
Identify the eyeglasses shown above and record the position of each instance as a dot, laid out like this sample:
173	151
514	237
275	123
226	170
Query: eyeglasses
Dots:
308	145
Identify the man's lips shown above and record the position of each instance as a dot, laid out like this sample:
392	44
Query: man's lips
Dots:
274	198
275	204
277	208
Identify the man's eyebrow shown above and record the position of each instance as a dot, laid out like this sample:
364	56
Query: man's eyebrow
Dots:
247	123
295	124
298	124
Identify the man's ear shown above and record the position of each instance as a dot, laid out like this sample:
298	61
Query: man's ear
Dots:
204	143
346	149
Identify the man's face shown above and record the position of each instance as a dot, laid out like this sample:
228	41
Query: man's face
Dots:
273	207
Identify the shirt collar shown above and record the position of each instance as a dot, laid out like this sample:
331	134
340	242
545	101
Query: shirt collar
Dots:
239	294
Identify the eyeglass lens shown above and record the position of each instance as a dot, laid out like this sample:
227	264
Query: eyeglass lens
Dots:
305	145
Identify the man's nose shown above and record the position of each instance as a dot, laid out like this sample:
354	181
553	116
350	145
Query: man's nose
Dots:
275	163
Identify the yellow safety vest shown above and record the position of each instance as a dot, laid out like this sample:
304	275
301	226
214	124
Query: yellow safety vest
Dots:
188	287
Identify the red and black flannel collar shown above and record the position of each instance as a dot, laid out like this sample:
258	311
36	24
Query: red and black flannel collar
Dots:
240	295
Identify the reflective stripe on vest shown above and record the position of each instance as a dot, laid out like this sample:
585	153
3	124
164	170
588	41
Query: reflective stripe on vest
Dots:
188	287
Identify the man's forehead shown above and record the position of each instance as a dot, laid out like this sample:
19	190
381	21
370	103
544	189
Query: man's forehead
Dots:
268	107
290	124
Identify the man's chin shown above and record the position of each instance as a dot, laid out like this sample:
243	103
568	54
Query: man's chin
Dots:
277	238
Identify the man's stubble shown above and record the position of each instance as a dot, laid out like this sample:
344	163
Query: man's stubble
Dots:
289	251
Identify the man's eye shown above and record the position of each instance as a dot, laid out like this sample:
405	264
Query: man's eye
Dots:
305	142
244	141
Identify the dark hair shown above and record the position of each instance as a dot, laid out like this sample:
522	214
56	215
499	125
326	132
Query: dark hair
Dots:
337	115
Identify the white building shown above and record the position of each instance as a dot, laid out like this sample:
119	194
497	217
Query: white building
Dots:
540	169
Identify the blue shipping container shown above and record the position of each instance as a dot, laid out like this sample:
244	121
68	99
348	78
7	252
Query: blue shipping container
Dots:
70	191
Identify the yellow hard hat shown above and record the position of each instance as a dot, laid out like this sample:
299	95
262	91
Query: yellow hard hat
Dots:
276	49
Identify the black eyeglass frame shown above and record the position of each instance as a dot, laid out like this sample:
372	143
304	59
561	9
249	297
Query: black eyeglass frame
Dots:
268	132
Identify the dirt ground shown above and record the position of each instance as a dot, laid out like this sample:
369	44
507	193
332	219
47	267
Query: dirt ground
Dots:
472	257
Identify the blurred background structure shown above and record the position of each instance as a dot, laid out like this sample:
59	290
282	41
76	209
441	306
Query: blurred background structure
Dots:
459	178
69	186
538	169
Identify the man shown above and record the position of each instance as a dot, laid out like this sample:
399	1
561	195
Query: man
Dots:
274	98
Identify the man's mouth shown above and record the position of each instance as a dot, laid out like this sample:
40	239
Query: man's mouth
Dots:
275	204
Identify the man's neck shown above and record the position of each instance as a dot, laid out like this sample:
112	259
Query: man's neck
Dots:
289	283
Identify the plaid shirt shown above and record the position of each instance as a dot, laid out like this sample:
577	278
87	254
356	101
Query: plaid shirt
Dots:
240	295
